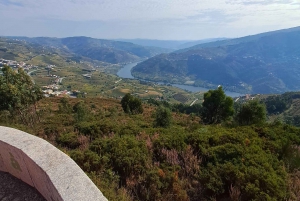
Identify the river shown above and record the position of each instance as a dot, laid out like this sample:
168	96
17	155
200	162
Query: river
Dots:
125	72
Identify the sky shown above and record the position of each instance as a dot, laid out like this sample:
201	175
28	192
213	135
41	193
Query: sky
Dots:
147	19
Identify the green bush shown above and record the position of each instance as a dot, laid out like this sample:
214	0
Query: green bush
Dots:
131	104
251	112
69	140
163	117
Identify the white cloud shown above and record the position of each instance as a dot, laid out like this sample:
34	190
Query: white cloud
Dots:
193	15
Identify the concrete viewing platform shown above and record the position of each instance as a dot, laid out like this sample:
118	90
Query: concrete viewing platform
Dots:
42	166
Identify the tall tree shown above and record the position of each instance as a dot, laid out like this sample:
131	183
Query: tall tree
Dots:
18	94
217	107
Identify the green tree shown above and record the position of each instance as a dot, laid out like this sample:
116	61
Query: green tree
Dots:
217	107
163	117
19	95
251	112
125	103
131	104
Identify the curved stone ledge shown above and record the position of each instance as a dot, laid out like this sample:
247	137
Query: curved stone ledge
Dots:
38	163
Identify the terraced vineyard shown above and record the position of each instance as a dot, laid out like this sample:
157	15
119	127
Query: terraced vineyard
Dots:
180	97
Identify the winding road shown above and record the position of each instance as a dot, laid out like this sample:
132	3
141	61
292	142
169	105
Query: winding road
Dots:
29	73
194	102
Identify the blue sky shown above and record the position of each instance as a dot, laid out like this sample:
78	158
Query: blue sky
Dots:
152	19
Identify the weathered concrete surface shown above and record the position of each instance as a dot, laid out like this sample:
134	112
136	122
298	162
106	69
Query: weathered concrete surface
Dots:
12	188
38	163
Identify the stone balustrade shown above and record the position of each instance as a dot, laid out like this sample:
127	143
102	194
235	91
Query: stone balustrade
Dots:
38	163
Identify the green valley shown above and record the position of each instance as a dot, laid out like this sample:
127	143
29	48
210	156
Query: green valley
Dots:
92	77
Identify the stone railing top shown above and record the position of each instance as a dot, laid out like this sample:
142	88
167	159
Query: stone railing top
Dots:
38	163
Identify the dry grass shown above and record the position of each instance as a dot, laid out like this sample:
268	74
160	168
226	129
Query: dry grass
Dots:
150	94
125	91
294	186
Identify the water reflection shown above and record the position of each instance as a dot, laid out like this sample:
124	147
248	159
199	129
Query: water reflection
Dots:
125	72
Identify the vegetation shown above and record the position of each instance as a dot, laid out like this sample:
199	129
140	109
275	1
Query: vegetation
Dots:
163	117
284	107
278	104
217	107
195	109
164	151
251	112
129	158
131	104
249	64
19	94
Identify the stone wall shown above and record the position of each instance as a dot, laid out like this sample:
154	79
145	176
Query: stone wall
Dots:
38	163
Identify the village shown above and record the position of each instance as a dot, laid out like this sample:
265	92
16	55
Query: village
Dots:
48	90
15	64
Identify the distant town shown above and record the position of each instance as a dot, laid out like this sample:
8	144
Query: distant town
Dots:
15	64
49	90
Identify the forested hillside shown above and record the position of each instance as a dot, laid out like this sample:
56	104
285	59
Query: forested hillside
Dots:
263	63
284	107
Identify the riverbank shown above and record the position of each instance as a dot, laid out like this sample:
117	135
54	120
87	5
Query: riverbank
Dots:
125	72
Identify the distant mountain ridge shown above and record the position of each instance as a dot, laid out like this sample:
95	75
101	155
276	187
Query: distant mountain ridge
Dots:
170	44
263	63
98	49
234	41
